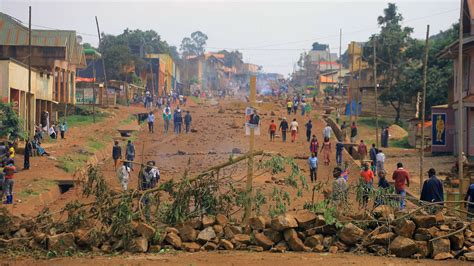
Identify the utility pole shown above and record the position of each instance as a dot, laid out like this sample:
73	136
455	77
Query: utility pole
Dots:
423	106
340	64
351	82
93	88
28	112
248	202
460	103
358	86
376	95
103	64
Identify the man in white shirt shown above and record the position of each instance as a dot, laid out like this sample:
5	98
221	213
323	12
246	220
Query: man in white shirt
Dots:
123	174
151	121
327	132
294	129
380	159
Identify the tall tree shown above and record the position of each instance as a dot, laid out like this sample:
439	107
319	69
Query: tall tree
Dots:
398	59
194	45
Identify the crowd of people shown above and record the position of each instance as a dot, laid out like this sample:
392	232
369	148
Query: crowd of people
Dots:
372	160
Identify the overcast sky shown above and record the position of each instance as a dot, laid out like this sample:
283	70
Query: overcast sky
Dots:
269	33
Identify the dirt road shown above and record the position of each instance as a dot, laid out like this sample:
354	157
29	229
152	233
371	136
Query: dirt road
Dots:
236	258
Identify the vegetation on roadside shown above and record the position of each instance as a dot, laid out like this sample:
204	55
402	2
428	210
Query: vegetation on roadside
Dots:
400	143
10	123
36	187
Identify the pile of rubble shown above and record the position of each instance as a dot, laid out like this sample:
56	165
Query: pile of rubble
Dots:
419	236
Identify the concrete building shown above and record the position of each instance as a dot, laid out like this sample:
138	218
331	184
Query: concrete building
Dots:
56	53
445	118
14	89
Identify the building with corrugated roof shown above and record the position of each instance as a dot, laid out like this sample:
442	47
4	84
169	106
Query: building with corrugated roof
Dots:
54	52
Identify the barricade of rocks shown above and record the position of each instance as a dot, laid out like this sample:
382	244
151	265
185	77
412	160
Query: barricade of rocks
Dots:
420	236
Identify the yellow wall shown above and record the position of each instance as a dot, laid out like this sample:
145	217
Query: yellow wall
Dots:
168	70
355	51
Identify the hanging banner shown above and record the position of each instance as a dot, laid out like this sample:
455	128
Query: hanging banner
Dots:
438	129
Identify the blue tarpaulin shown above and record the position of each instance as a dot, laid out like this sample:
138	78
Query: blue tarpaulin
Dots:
355	110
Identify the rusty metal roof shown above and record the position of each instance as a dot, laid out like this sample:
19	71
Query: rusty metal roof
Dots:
13	33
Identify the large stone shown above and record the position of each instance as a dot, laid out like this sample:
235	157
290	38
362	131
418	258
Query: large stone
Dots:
206	235
139	245
405	228
351	234
314	241
226	244
263	241
384	239
187	233
257	223
422	237
242	238
190	246
457	241
172	230
305	219
422	248
218	229
469	256
221	220
289	233
174	240
296	244
145	230
208	221
328	241
209	246
443	256
274	236
403	247
283	222
425	221
383	212
154	248
236	229
194	223
228	233
440	246
61	242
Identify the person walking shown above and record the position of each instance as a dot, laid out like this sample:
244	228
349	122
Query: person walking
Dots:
384	138
151	122
339	187
382	185
373	155
272	129
469	198
432	190
116	153
167	118
367	183
177	120
362	150
289	106
326	151
327	132
402	179
130	153
28	153
339	149
9	171
313	167
309	127
52	132
338	116
294	129
63	129
380	161
284	128
295	106
314	146
303	108
123	175
187	121
344	131
353	132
